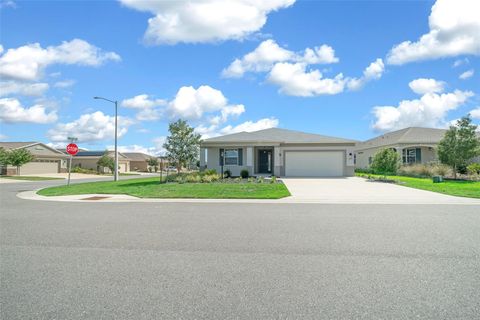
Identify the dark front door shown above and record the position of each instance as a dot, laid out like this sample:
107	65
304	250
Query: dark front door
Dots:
264	161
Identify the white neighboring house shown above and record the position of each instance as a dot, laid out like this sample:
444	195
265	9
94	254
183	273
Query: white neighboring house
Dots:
279	152
414	145
46	159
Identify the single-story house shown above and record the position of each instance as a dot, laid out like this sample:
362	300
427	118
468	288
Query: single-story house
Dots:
138	161
89	159
279	152
46	159
414	145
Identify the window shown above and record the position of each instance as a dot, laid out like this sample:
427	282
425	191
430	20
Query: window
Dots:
369	160
231	157
411	155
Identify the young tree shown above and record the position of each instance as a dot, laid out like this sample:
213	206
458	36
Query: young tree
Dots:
459	145
107	162
385	161
153	162
183	144
18	157
3	157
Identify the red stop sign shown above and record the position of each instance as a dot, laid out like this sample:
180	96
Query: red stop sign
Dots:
72	149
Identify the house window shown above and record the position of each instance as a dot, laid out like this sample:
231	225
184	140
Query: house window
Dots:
231	157
411	155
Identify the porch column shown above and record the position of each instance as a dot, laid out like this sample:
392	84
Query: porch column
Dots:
277	161
400	154
249	160
203	161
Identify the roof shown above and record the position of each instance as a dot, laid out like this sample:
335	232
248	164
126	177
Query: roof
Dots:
277	135
95	153
16	145
137	156
411	135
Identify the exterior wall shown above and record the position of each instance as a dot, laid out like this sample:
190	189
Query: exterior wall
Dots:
428	154
139	165
213	157
91	163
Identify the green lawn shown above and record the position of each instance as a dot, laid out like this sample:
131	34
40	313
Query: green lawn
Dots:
29	178
150	188
470	189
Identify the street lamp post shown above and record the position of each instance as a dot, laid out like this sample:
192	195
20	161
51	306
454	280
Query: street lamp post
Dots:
115	173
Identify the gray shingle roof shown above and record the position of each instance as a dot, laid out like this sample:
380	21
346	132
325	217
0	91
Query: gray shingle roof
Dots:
15	145
410	135
137	156
276	135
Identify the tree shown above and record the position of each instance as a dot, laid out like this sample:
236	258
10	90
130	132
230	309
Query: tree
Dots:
183	144
153	162
385	161
107	162
18	157
459	145
3	157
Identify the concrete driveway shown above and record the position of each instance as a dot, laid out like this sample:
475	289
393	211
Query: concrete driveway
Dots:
359	190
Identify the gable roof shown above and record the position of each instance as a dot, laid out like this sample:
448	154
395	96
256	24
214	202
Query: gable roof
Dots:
96	154
20	145
137	156
411	135
276	135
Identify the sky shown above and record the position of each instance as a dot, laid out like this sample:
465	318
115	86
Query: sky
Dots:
351	69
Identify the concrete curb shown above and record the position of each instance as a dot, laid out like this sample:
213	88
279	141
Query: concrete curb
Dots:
112	198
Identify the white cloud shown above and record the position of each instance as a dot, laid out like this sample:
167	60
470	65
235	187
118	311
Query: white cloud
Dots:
192	104
269	52
12	111
475	113
90	127
460	62
155	150
467	74
64	83
204	21
28	62
422	86
429	110
293	79
22	88
214	130
374	71
454	30
148	107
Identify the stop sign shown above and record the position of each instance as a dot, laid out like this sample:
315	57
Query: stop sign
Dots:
72	149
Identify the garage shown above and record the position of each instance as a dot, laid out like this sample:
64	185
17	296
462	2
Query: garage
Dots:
314	163
36	167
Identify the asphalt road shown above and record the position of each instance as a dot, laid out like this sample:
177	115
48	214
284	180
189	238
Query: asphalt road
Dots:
236	261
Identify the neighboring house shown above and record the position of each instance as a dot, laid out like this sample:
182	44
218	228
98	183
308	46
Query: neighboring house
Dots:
279	152
47	159
414	145
89	159
138	161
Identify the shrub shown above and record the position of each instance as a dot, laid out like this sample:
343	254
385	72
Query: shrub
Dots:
474	169
385	162
227	173
193	178
82	170
210	178
209	172
442	170
260	179
244	173
251	179
273	179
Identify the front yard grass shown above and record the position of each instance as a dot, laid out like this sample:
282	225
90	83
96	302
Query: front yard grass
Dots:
459	188
150	188
30	178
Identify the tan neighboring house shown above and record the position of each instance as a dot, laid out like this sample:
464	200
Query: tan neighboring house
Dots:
46	159
89	159
279	152
414	145
138	161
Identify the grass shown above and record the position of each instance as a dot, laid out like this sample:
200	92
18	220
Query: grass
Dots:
459	188
30	178
150	188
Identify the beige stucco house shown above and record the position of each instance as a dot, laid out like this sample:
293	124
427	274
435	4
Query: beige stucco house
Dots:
46	159
414	145
279	152
138	161
89	159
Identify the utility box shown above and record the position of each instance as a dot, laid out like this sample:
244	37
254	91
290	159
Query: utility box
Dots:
437	179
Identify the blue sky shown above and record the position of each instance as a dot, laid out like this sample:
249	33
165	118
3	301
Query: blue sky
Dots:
57	55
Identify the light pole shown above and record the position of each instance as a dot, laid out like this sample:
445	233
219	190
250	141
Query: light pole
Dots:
115	173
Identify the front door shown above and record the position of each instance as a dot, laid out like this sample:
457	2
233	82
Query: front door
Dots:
264	161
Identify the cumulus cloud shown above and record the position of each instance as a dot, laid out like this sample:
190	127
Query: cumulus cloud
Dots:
430	110
22	88
148	107
90	127
269	52
374	71
467	74
248	126
204	21
422	86
475	113
156	150
29	62
12	111
454	30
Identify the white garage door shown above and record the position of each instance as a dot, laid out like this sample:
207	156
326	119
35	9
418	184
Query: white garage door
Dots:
314	163
39	167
